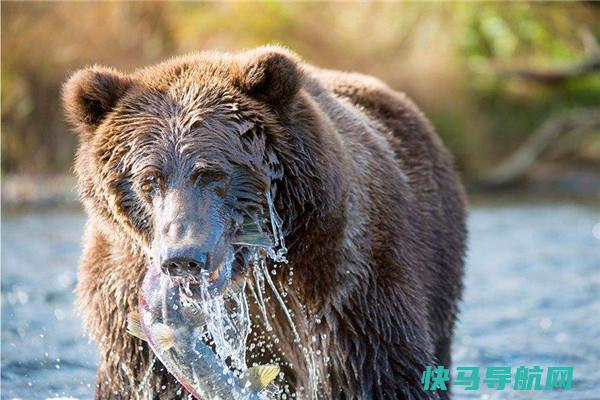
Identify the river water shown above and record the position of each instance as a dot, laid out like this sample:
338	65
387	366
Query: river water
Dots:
532	297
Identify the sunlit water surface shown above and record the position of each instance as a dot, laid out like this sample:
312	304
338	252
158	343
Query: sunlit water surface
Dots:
532	298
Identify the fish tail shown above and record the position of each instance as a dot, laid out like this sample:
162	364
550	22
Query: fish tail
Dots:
261	376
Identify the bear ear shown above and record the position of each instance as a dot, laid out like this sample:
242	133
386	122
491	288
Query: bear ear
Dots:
90	94
271	75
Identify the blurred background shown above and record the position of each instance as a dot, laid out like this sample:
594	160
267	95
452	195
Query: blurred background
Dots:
489	75
513	89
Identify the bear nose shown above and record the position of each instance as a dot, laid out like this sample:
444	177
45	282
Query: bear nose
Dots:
181	266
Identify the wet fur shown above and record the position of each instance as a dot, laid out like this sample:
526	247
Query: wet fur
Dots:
372	209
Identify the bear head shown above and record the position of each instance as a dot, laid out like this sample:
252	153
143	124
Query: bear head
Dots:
182	157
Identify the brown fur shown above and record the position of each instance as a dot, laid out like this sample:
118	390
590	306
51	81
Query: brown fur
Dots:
373	211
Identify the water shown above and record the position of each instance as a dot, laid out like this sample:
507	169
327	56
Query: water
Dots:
532	298
44	352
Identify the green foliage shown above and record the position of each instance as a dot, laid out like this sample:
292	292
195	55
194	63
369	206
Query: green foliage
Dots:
528	36
445	56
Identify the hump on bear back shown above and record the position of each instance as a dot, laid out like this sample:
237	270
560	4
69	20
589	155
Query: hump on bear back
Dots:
271	75
371	94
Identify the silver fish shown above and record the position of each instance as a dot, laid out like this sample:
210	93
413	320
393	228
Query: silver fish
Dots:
173	328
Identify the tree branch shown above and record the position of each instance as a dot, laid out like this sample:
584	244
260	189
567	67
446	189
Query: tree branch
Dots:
519	163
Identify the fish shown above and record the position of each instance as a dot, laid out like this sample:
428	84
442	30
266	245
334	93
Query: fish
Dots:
174	329
253	236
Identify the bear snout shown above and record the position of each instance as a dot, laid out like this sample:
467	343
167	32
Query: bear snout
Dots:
185	265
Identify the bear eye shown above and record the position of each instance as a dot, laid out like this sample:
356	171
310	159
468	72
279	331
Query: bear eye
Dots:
150	184
147	187
217	176
206	177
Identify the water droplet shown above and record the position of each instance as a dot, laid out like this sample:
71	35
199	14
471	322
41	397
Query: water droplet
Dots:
545	323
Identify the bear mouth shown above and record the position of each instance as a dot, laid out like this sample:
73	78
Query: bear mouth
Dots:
228	274
249	243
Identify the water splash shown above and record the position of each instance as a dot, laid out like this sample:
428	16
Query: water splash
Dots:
307	349
277	251
226	324
199	337
223	322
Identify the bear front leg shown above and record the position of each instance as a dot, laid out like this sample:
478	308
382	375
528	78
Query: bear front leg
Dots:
379	349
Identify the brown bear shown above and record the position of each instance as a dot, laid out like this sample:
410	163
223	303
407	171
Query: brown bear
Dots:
373	213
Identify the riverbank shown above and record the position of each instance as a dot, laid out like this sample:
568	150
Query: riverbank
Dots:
38	191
